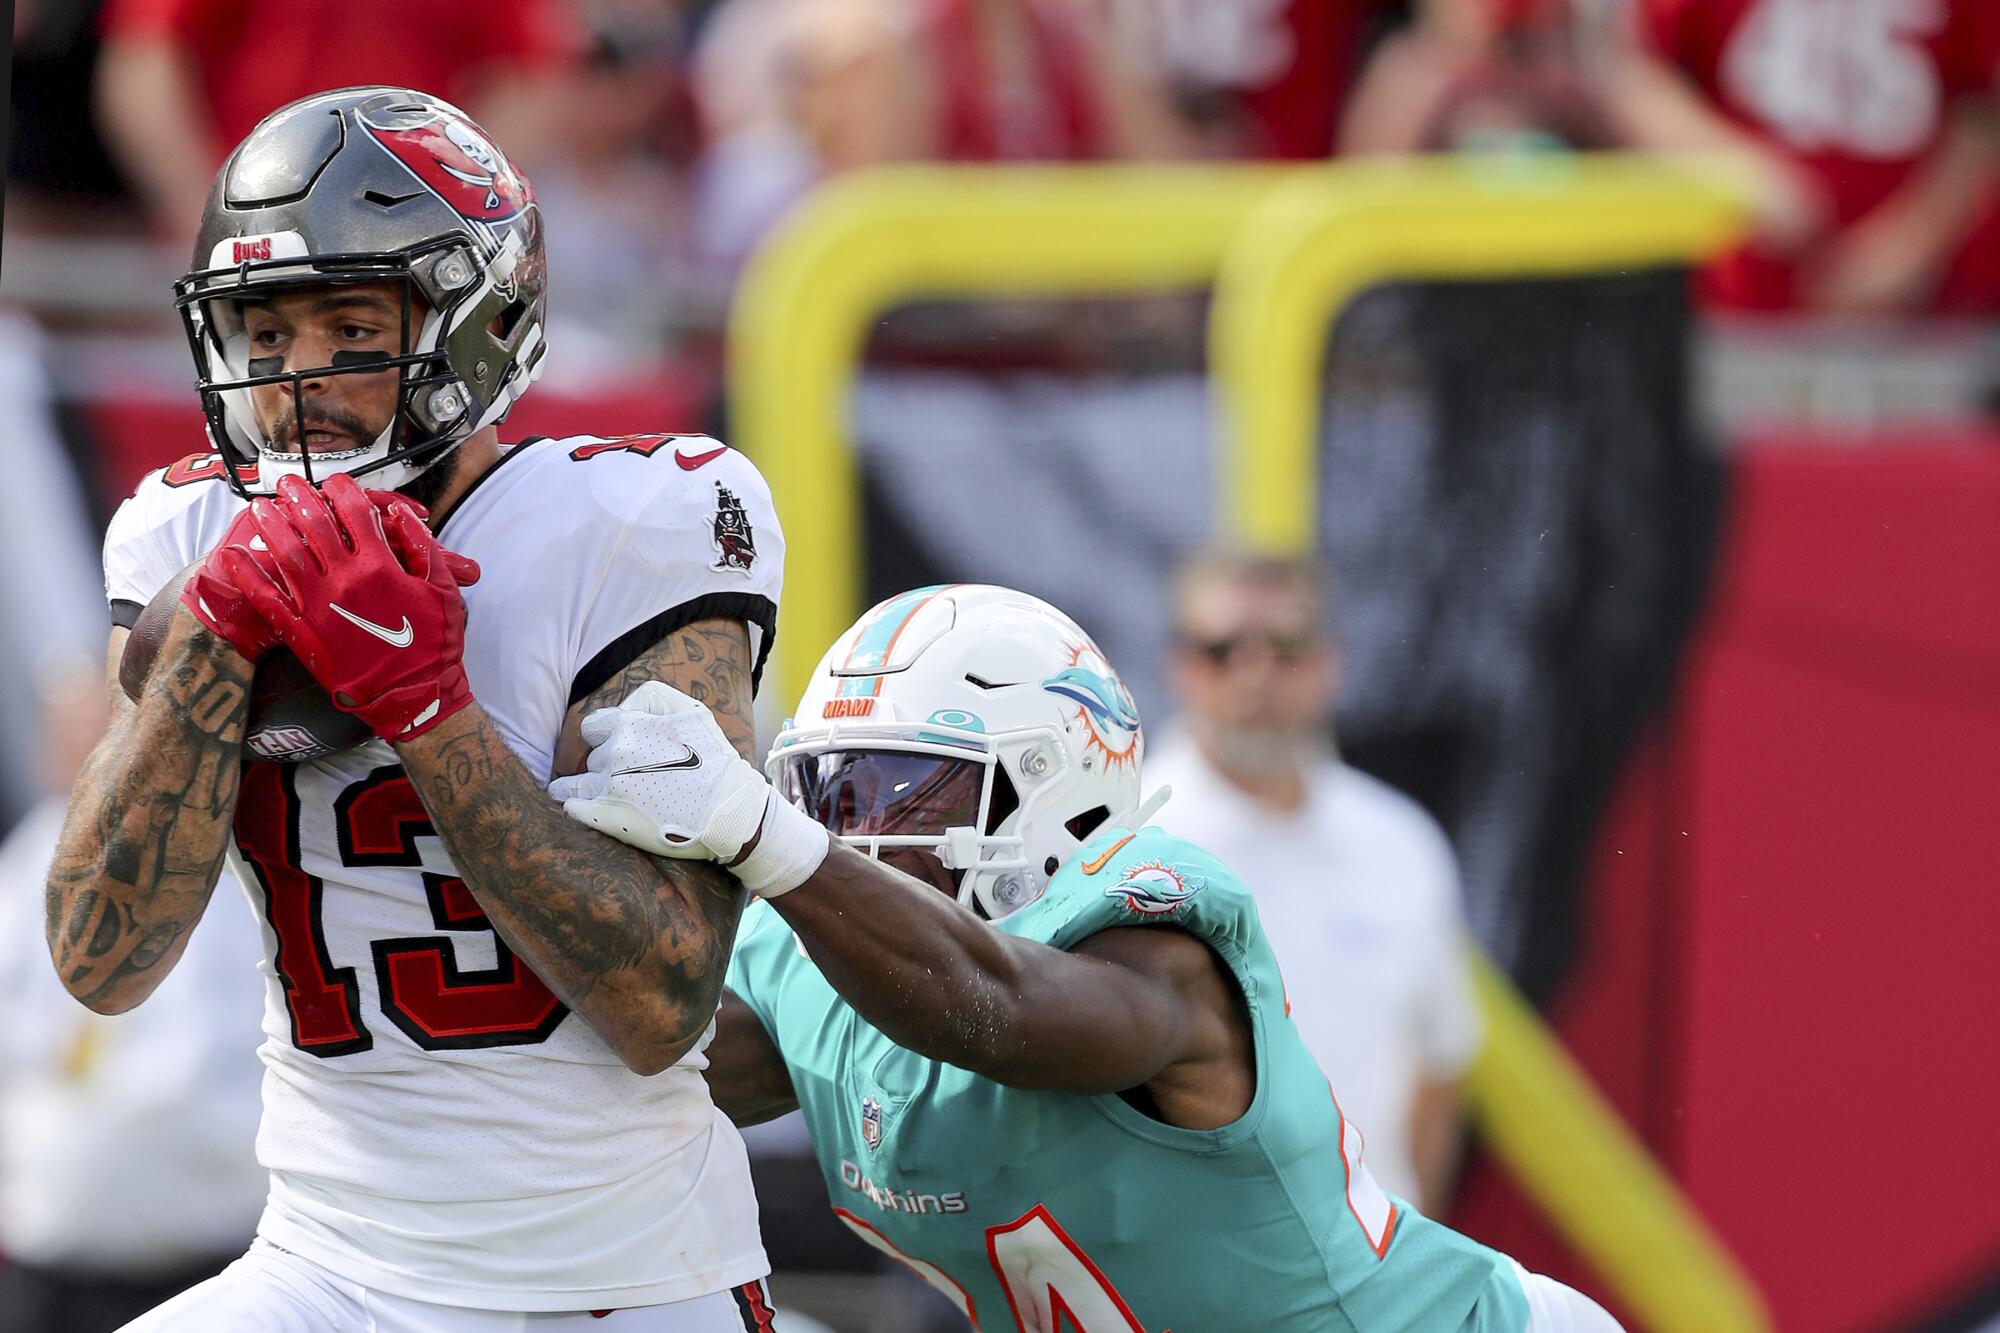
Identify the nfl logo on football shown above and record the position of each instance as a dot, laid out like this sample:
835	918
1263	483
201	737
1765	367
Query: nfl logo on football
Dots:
871	1123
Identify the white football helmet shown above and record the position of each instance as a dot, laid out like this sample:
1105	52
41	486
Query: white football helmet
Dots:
976	722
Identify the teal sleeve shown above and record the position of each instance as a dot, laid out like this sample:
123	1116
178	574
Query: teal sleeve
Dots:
756	964
1150	878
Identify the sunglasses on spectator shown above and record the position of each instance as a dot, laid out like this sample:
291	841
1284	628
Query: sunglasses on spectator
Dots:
1285	649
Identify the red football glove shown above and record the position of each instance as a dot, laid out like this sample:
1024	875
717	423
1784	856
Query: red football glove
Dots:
216	603
367	599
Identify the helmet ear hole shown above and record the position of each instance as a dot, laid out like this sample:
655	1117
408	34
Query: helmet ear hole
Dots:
1005	800
1050	866
1083	825
507	320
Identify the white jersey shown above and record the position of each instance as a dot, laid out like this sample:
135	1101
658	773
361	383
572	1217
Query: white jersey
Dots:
437	1125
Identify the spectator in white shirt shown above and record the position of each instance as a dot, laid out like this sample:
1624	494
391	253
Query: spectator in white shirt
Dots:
51	599
128	1168
1356	884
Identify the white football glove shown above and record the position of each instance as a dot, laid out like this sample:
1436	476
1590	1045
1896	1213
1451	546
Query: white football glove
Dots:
662	777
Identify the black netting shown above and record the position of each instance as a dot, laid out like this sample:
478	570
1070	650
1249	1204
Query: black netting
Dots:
1513	500
1521	520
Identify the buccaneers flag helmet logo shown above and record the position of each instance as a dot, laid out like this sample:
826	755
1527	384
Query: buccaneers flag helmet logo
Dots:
460	165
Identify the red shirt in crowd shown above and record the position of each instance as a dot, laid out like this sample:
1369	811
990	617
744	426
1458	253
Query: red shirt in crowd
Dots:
1856	91
1314	55
254	56
1050	115
1280	69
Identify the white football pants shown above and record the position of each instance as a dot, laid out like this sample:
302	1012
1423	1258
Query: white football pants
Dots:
270	1290
1556	1308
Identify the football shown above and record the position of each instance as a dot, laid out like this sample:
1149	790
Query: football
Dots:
292	718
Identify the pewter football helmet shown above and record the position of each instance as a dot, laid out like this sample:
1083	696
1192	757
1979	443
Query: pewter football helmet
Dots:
370	185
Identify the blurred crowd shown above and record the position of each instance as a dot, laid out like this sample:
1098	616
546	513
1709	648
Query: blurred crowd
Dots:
664	136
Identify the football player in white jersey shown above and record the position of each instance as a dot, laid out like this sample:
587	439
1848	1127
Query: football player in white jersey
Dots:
484	1025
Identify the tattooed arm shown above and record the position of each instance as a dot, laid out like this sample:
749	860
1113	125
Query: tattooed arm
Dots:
635	944
148	822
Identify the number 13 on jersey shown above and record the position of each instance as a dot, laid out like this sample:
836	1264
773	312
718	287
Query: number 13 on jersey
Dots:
422	989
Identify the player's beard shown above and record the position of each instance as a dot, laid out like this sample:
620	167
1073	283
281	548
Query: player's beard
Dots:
425	488
285	433
428	485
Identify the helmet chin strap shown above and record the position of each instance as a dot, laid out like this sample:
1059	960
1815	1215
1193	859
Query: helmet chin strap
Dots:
386	477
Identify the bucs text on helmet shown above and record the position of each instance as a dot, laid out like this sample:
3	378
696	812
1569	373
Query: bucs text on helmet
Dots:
975	722
370	185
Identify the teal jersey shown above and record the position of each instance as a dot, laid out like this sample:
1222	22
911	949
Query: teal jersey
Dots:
1028	1208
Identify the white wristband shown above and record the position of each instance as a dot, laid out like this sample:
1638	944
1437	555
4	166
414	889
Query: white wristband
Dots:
788	851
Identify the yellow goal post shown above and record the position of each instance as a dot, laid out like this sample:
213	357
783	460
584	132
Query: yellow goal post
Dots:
1317	242
1285	250
866	241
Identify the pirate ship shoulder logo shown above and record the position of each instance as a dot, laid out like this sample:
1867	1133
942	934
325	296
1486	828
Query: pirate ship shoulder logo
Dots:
871	1123
735	543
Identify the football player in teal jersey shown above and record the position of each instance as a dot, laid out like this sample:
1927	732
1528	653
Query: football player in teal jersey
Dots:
1064	1089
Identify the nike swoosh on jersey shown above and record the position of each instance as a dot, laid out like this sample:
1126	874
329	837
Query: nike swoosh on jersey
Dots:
689	462
1097	863
395	638
687	760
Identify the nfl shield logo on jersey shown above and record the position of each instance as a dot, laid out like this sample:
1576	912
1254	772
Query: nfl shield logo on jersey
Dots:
735	543
871	1123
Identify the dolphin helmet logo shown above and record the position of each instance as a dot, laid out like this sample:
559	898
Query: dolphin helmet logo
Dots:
1109	718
